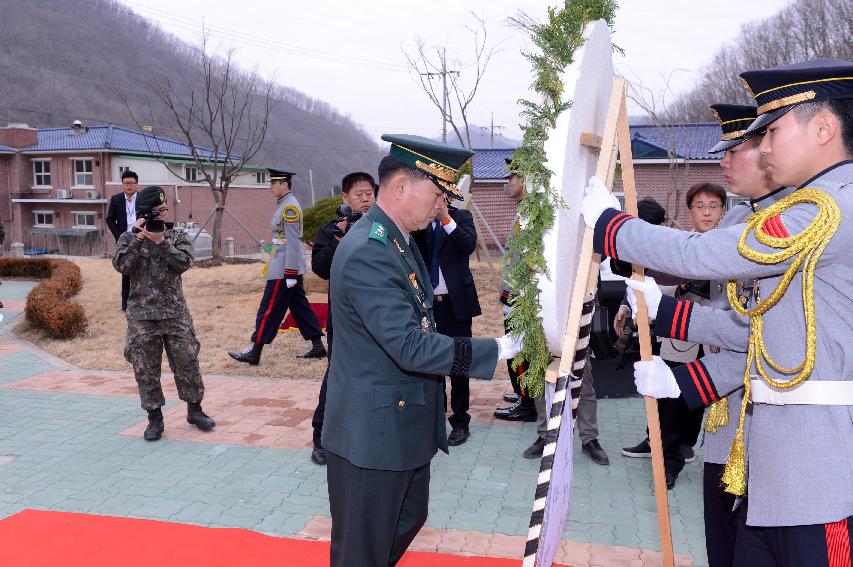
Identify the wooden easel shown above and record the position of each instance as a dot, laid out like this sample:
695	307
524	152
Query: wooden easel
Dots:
616	138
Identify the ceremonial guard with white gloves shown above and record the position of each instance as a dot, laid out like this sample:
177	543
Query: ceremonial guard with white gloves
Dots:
797	381
283	272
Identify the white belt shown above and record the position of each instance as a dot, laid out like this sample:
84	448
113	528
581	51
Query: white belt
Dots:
279	241
819	393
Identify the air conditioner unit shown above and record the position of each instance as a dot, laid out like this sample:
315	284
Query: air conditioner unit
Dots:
91	194
182	224
63	193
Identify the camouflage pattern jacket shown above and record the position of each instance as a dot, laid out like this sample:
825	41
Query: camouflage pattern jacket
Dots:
155	274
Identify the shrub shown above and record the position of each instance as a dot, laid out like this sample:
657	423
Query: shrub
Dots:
315	217
48	307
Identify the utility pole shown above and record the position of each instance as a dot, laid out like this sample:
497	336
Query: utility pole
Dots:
311	180
444	95
493	130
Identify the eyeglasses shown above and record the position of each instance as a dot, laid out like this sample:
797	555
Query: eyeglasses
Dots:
130	183
709	206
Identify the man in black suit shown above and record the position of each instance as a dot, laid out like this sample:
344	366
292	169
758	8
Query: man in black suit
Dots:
447	244
120	218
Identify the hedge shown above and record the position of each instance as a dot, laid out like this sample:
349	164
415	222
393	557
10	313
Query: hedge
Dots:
48	307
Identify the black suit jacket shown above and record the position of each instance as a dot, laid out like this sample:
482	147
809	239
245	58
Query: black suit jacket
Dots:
454	251
117	215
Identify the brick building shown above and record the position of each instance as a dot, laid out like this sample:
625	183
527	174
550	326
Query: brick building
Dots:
667	161
55	186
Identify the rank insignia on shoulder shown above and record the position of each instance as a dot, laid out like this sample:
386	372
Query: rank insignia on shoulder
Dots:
378	232
414	279
425	325
291	213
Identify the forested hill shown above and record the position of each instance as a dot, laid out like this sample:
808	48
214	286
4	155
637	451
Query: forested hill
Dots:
63	60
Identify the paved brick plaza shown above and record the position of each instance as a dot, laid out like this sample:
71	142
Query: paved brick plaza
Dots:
70	440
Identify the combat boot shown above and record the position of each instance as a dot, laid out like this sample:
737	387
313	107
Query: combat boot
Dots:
250	355
317	350
155	425
198	418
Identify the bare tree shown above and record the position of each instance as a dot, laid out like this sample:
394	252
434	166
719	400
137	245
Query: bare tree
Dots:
805	29
222	114
443	82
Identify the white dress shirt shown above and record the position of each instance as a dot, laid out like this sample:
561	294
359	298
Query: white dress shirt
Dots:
130	210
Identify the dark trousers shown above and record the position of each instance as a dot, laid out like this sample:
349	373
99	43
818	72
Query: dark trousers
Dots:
447	324
524	400
274	304
721	522
375	513
320	410
125	291
819	545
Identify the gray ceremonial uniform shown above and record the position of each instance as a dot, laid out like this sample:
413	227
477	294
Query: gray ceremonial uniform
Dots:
288	254
800	457
384	417
158	317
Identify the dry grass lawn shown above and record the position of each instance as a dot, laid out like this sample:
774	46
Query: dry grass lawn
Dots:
223	301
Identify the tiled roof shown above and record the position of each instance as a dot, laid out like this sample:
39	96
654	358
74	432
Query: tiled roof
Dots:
648	141
491	164
687	141
108	138
6	149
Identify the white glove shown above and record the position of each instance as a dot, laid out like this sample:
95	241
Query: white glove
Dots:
509	345
290	282
654	378
651	292
597	199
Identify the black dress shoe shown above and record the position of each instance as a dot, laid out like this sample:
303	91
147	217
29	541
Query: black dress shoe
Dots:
596	452
155	425
197	417
535	451
511	398
670	480
250	355
517	413
318	456
458	436
317	351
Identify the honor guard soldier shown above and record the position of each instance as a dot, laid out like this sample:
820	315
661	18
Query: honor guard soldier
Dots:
384	417
283	272
798	382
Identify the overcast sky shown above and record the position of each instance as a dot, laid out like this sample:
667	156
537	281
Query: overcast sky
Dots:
351	54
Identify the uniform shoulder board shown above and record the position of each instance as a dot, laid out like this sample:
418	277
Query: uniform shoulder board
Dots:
291	213
378	232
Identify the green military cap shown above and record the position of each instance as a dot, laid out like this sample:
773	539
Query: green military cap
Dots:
734	120
439	161
279	175
779	89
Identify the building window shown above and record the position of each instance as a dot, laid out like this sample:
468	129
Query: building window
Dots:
191	173
83	173
261	177
84	219
41	173
43	218
122	169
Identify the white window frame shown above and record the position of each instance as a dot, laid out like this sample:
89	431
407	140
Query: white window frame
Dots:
92	213
44	212
36	175
261	177
74	172
194	177
122	169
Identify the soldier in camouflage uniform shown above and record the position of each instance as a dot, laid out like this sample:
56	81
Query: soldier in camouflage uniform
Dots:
157	313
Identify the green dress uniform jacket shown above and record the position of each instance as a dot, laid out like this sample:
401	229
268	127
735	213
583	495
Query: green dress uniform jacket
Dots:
385	405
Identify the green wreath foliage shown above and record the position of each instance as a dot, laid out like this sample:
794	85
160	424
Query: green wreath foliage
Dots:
556	40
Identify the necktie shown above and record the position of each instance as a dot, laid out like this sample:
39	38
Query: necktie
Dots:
433	260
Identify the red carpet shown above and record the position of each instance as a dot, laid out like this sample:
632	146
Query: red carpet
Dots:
321	310
36	538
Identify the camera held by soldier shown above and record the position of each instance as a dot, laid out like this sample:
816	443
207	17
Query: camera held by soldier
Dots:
152	220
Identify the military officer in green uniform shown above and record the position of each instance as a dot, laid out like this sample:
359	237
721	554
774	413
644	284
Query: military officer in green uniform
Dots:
384	416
